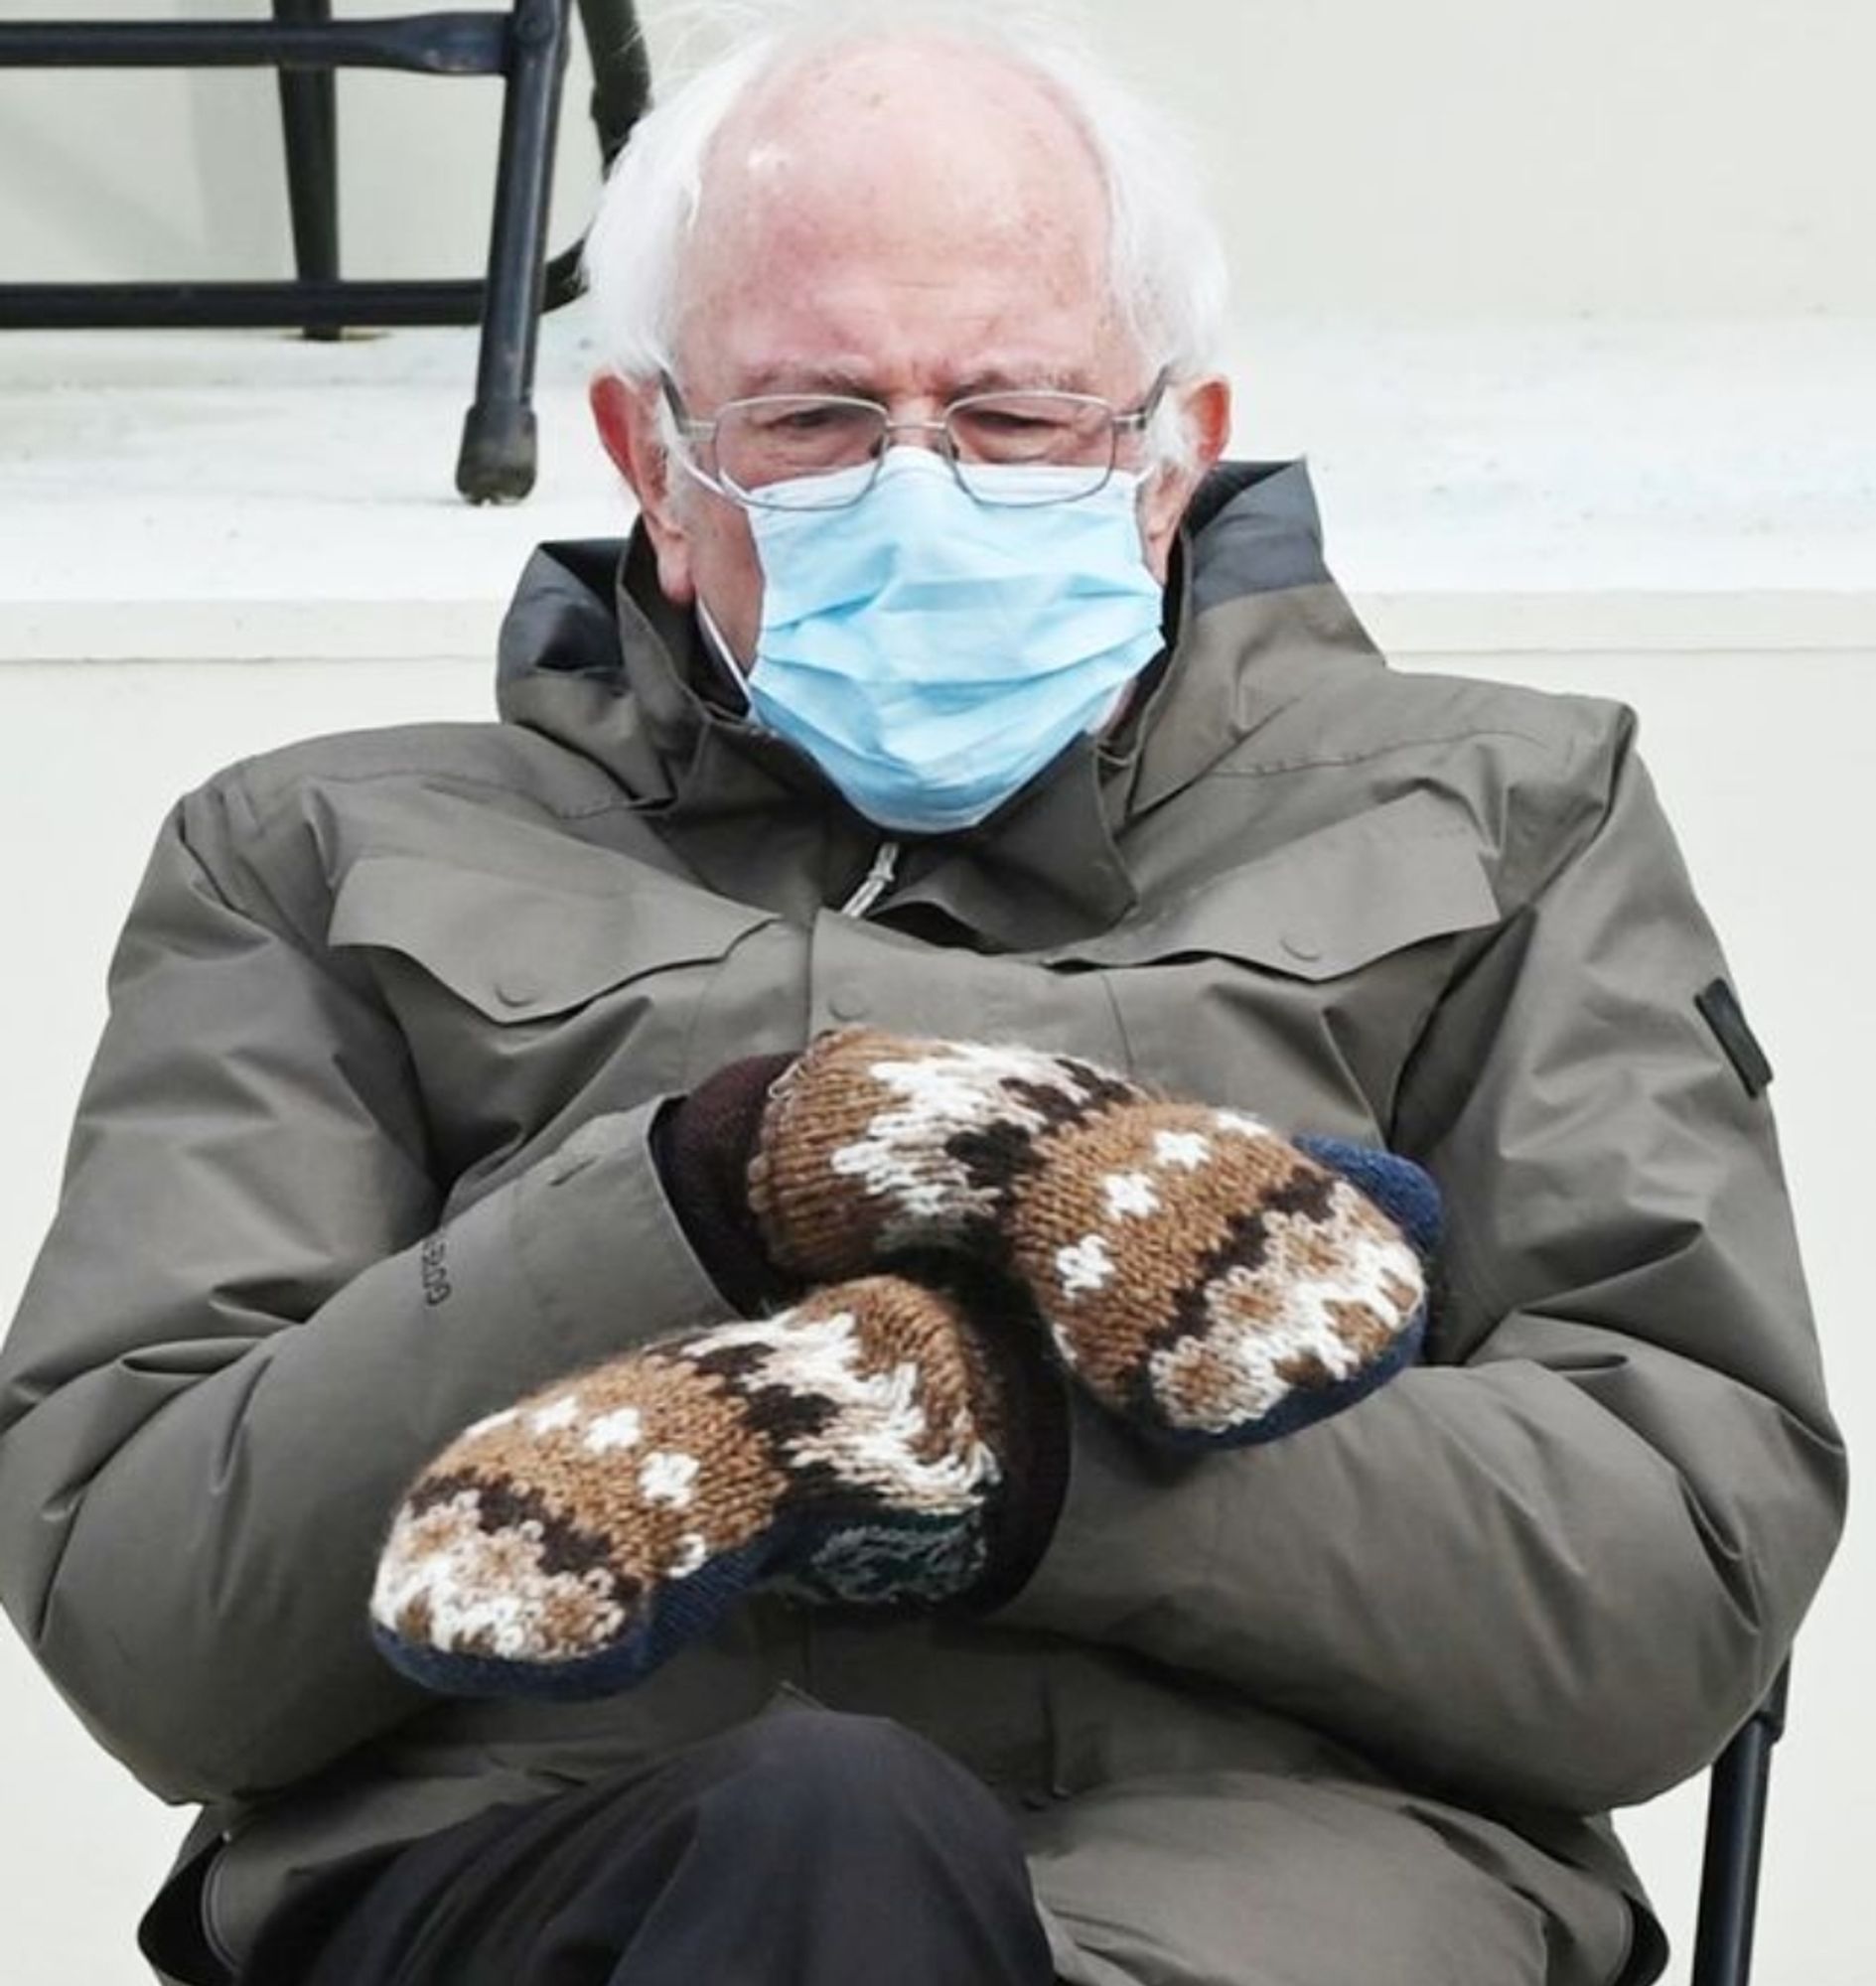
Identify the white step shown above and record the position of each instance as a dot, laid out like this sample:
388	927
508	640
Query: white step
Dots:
1546	486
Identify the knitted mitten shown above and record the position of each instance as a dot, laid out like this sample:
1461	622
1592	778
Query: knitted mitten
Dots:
701	1147
1199	1274
854	1448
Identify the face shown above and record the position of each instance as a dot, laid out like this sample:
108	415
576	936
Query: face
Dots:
851	241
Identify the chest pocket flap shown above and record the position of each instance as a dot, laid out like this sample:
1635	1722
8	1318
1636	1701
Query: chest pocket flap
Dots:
1324	903
517	949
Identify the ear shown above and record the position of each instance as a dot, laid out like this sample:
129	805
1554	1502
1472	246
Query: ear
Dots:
626	415
1205	410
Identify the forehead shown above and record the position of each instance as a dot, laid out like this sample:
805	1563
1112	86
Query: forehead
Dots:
924	215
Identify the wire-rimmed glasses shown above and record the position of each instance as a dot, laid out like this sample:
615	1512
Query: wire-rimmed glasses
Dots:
769	450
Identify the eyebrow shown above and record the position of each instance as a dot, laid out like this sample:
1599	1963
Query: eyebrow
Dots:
858	382
1005	379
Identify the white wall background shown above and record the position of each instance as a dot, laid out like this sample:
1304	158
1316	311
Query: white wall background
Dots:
1380	160
1684	157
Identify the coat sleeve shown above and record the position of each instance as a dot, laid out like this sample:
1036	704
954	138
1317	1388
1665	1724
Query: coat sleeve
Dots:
245	1334
1555	1565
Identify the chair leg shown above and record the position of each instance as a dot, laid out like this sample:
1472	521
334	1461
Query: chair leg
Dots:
309	117
496	461
1735	1839
622	73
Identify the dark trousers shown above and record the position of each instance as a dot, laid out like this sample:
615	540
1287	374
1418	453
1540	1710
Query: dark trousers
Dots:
806	1848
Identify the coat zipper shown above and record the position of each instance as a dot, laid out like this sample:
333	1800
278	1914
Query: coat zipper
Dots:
876	882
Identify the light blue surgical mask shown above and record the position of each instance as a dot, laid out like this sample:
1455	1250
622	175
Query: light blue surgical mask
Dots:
932	653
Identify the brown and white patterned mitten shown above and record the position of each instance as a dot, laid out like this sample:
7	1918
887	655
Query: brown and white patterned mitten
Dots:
1199	1274
855	1448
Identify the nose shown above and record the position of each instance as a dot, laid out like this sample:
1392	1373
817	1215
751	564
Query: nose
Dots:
933	430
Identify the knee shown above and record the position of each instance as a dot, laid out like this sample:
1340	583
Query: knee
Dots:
831	1773
828	1758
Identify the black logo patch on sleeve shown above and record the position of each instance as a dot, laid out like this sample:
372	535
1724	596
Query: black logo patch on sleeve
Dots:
433	1270
1720	1009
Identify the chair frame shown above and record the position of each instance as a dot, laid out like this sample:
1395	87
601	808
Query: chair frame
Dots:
1738	1792
527	47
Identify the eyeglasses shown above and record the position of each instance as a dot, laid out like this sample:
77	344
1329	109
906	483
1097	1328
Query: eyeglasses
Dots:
765	447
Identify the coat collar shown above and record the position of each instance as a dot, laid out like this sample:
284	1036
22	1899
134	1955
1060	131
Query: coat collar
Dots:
593	655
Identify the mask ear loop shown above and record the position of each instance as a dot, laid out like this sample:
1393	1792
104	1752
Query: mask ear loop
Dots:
724	654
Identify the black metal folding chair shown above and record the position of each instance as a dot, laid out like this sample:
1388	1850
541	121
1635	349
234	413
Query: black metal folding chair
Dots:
527	47
1739	1788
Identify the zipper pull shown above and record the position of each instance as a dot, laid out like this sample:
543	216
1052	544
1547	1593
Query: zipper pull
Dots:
876	882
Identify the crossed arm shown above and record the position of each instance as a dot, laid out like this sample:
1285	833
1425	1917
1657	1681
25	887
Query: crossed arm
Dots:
1549	1567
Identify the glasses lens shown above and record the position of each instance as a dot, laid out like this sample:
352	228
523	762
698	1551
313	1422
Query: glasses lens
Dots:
767	447
1065	432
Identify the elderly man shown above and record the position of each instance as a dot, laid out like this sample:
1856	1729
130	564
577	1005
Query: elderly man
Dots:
952	711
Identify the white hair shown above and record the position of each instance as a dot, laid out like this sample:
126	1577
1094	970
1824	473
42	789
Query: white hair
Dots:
1165	260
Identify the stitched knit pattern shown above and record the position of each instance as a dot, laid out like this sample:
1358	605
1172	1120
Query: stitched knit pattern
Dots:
1198	1272
873	1142
568	1545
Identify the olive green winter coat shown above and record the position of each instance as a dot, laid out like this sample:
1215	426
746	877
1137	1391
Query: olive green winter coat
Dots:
364	1157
